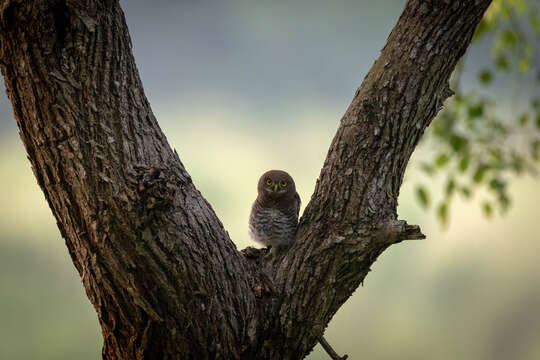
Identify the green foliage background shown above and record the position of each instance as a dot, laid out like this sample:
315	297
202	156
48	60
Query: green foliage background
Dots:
247	86
481	137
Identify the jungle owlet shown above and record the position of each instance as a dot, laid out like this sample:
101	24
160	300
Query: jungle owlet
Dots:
274	214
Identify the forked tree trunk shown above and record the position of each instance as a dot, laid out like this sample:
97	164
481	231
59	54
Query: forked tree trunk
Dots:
163	275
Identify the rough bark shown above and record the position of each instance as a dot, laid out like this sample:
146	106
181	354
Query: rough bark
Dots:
162	273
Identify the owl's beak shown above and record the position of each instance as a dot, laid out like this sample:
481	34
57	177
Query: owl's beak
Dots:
275	188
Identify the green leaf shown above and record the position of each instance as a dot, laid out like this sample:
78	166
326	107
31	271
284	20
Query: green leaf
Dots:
517	162
535	149
487	208
457	142
441	160
496	157
506	11
476	110
504	201
442	213
465	191
423	196
501	62
534	20
519	5
497	185
535	103
524	65
464	163
483	27
450	187
485	77
509	38
524	119
538	121
480	173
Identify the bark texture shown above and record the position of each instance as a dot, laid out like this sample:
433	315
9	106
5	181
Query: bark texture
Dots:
162	273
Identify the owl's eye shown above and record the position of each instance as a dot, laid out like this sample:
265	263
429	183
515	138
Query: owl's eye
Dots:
283	184
268	182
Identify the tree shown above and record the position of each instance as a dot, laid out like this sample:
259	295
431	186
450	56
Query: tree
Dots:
162	273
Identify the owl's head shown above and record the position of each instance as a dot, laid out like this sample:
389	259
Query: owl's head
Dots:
275	184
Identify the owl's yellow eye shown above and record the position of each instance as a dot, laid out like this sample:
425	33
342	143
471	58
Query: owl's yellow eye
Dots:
283	184
268	182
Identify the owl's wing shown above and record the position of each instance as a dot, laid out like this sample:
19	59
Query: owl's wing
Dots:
297	203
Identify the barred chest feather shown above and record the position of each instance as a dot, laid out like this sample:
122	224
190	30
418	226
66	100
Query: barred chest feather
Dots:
271	226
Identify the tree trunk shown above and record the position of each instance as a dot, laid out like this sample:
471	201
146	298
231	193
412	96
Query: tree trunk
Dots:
162	273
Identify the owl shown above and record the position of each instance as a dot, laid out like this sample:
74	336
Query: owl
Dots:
274	214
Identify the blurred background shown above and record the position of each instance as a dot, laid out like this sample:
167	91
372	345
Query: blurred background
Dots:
241	87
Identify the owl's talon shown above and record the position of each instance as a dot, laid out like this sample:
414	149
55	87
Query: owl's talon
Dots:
272	252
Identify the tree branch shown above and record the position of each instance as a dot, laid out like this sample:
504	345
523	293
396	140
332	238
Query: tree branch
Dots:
354	204
330	351
155	260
